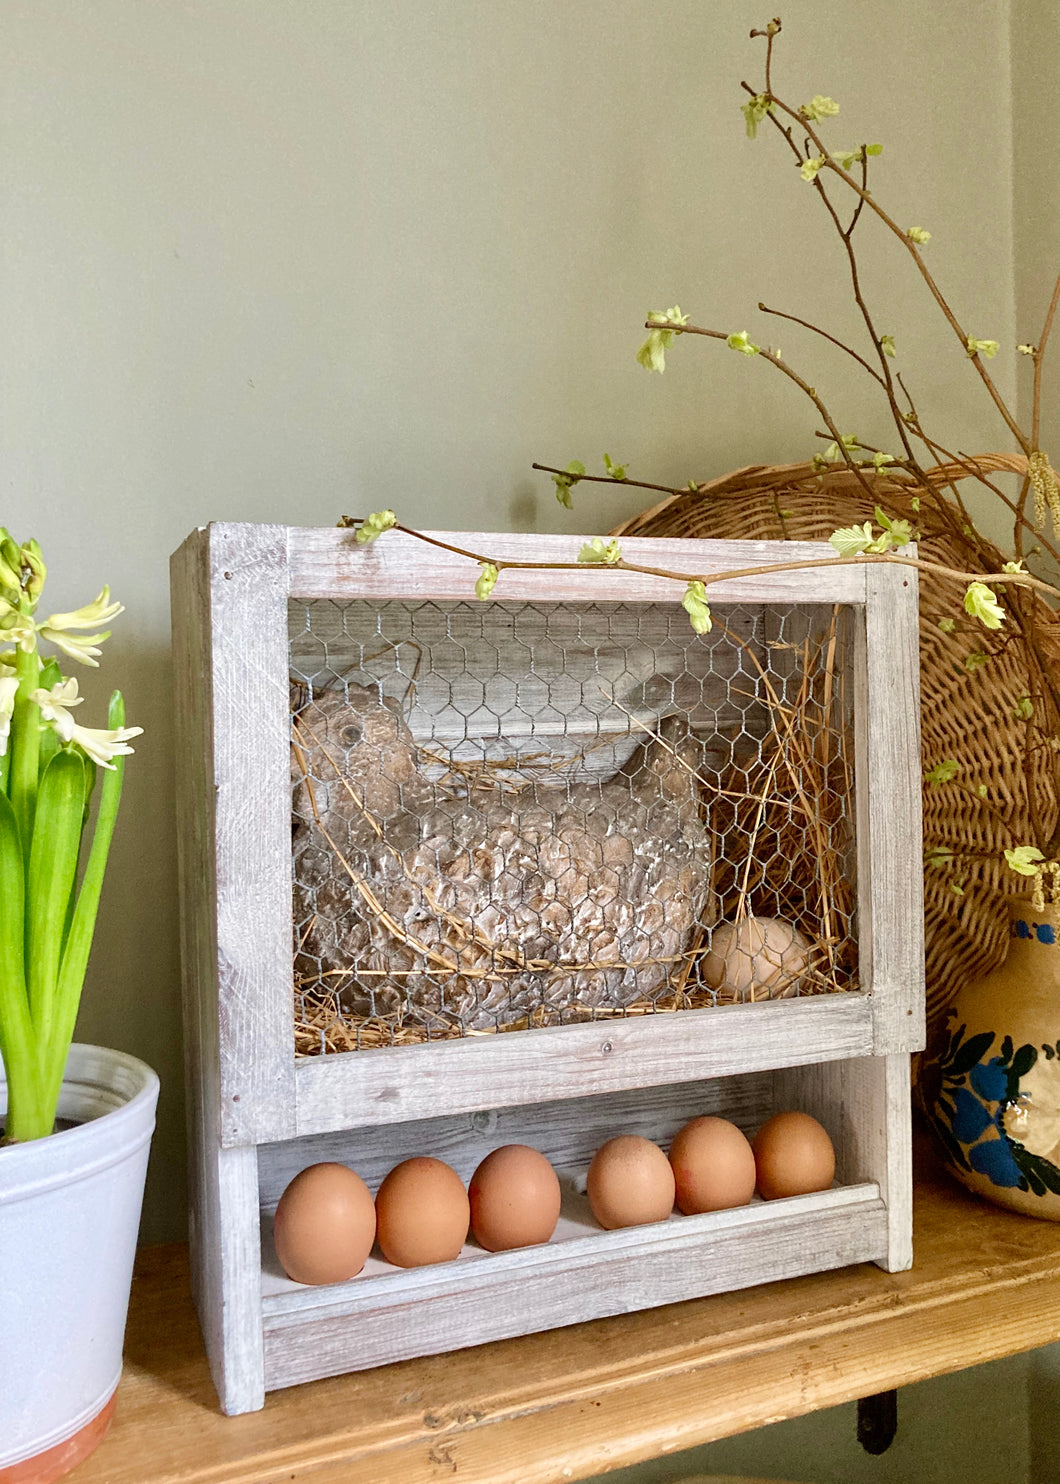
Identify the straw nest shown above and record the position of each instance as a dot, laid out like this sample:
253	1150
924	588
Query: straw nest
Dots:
967	717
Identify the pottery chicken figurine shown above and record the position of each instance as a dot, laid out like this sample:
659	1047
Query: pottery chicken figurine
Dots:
479	908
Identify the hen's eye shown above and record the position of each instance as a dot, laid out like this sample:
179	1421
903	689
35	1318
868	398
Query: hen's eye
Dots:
350	734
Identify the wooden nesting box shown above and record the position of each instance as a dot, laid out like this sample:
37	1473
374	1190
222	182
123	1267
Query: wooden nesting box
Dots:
575	666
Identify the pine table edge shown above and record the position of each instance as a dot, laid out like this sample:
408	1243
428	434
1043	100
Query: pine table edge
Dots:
599	1396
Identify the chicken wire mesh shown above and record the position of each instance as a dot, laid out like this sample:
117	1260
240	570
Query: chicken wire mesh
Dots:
508	815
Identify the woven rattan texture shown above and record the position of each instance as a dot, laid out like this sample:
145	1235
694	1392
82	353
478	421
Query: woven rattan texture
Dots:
966	716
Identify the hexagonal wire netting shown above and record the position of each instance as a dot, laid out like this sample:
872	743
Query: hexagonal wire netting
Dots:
529	814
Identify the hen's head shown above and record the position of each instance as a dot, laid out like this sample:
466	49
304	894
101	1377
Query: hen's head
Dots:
352	742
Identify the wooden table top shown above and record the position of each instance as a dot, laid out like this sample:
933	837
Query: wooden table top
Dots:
577	1401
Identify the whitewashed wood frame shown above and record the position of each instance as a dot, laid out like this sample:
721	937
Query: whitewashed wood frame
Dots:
257	1115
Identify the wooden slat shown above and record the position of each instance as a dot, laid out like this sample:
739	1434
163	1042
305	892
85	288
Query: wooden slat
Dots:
890	871
251	776
864	1103
422	1312
567	1132
362	1088
599	1396
223	1183
328	563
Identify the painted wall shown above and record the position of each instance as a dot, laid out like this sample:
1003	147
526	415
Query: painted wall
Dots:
281	260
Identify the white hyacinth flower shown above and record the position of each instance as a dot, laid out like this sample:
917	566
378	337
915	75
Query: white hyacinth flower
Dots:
100	610
8	691
99	744
17	630
59	628
80	647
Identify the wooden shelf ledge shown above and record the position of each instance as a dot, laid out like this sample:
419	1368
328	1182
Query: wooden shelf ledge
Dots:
577	1401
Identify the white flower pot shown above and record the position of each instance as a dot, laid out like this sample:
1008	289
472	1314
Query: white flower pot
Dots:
69	1214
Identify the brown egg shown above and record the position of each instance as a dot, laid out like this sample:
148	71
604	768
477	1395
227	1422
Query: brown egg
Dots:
793	1156
759	958
325	1225
515	1199
630	1183
714	1166
422	1213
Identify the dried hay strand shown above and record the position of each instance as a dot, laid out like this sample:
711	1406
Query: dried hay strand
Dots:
966	935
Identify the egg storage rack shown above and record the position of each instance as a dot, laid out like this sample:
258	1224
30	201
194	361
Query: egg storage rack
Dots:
258	1113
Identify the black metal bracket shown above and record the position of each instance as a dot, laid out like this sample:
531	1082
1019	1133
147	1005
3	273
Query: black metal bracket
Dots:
877	1421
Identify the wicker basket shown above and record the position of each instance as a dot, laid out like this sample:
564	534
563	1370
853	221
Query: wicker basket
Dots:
967	718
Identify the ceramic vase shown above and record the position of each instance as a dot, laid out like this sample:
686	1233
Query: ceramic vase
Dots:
990	1082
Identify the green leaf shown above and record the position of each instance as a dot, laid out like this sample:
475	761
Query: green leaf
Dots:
845	158
887	345
1023	709
616	471
1026	350
943	772
874	149
373	526
818	108
755	111
696	606
486	582
809	168
50	879
25	745
988	348
981	602
1023	859
652	354
566	481
17	1036
981	791
918	235
597	550
852	540
82	925
49	738
976	660
938	855
742	343
899	532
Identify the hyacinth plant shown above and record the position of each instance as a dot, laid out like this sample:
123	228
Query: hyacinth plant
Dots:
52	852
996	598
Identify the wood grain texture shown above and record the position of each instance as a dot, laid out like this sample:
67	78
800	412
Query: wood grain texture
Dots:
567	1132
597	1396
362	1088
890	871
223	1222
328	563
313	1333
232	589
864	1103
251	777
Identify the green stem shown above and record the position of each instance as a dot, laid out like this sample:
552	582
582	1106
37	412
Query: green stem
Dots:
26	1116
82	924
25	746
50	882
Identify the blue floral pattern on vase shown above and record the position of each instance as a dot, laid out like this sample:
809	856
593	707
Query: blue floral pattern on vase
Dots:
969	1092
1043	932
